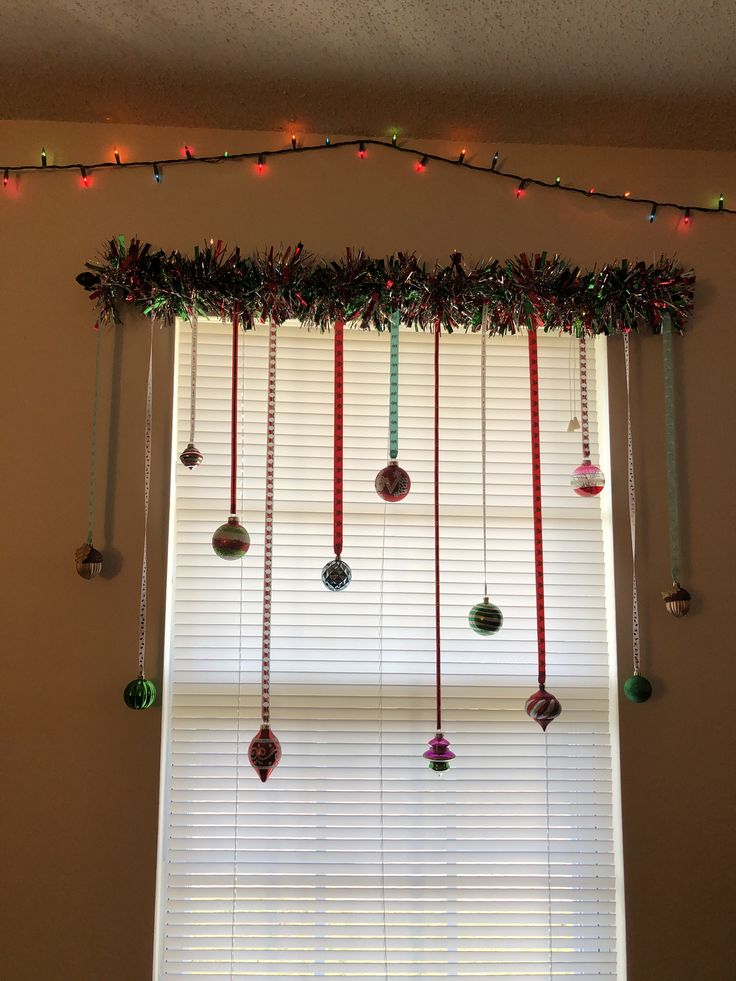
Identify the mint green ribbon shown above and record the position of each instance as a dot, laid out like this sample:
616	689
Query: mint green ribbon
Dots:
393	403
670	438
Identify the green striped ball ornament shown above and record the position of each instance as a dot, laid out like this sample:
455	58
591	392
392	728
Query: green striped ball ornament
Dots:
139	694
485	618
231	540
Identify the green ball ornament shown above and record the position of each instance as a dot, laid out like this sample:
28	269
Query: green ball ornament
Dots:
637	688
140	694
485	618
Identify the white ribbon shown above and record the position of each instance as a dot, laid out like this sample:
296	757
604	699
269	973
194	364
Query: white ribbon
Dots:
632	511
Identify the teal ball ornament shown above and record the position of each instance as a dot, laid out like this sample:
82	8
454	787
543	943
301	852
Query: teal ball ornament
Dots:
485	618
231	541
139	694
637	688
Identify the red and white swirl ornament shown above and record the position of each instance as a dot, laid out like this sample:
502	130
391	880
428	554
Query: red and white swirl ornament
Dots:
542	706
264	752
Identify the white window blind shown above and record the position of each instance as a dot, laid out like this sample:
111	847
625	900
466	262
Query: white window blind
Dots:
355	860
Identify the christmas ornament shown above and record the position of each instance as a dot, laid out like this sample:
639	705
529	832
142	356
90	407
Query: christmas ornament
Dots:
541	706
637	688
231	540
87	559
264	751
191	457
439	753
676	600
587	480
636	654
393	482
139	694
485	618
336	575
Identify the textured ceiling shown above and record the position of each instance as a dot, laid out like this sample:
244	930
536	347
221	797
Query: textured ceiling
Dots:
621	73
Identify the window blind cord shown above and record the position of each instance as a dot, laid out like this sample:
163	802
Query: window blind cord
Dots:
483	435
241	610
380	744
549	860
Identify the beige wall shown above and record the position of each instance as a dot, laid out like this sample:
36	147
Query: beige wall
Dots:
81	771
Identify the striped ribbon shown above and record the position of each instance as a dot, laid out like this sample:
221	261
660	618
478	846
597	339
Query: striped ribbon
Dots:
483	335
194	321
93	447
234	416
338	437
393	403
537	505
632	510
268	529
671	449
438	658
584	425
146	499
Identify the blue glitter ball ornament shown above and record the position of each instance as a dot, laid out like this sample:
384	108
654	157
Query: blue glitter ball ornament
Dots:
336	575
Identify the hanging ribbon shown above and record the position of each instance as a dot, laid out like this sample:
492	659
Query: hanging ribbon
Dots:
264	751
146	500
338	438
542	706
191	456
584	425
485	618
637	688
393	405
87	559
234	416
439	753
587	480
141	692
677	600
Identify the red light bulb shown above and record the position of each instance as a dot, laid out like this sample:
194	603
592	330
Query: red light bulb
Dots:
361	151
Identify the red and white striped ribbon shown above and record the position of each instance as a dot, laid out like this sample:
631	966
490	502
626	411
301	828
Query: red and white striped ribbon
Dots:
268	529
632	511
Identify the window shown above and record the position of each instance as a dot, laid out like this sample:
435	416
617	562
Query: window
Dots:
355	860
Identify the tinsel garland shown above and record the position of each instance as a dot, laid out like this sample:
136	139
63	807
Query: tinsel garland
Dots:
539	291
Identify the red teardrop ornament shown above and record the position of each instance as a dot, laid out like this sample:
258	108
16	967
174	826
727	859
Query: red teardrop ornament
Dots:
264	752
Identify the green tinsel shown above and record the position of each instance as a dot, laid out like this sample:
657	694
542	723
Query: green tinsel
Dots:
539	291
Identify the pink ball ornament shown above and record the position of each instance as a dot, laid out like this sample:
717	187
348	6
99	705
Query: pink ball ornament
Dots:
543	707
587	480
393	483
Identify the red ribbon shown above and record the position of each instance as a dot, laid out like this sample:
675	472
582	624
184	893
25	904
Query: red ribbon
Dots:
234	417
338	437
438	660
537	502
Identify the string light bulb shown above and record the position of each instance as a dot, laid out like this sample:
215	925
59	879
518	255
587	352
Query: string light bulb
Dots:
653	213
293	141
328	141
494	162
720	202
422	165
43	156
521	188
6	177
188	152
116	154
558	181
591	192
85	178
394	139
627	194
261	163
461	158
361	151
157	173
686	219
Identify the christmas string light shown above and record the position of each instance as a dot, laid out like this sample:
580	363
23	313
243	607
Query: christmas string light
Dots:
424	158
